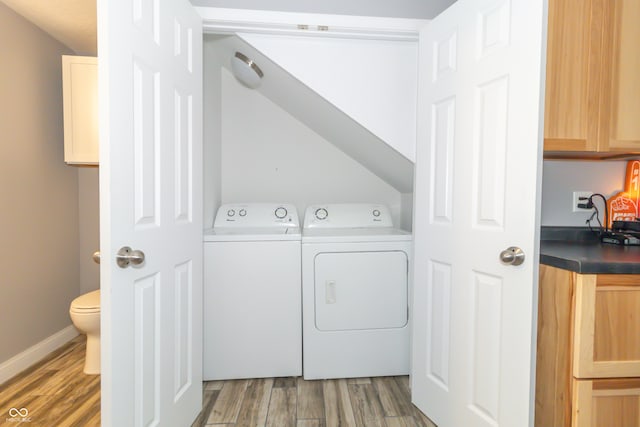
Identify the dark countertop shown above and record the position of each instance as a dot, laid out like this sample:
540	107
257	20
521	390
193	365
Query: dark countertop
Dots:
578	249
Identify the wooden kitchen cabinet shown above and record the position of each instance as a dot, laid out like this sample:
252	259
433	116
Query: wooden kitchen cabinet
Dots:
572	88
588	349
606	403
80	99
592	96
621	91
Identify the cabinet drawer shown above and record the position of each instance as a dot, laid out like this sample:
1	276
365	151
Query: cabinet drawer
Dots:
610	403
607	326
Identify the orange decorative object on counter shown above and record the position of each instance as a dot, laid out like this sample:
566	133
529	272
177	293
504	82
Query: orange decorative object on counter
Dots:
624	205
632	180
622	208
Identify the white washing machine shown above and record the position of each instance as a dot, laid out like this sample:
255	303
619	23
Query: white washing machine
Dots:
252	303
355	292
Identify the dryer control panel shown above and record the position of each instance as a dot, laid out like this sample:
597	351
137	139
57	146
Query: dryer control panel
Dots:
258	215
347	215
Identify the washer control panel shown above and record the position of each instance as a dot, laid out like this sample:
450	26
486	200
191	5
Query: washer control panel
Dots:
256	215
281	212
347	215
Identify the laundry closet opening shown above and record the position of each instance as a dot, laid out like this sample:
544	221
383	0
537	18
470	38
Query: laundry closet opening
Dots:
332	121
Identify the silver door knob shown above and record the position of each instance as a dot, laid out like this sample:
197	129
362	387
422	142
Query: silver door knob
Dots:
512	256
127	256
96	257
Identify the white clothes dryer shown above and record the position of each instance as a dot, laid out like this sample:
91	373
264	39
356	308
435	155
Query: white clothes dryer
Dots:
252	297
355	292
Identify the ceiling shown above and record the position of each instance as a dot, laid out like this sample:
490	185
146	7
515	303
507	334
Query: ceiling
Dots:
73	22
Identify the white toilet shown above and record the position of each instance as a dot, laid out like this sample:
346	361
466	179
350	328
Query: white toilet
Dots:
85	315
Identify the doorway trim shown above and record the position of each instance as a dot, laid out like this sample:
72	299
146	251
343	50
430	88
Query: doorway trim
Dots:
230	21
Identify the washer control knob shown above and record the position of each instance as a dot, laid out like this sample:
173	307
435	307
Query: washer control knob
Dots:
242	212
376	213
231	212
321	213
281	212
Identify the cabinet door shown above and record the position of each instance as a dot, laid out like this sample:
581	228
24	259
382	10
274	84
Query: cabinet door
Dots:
573	81
621	91
80	97
607	326
610	403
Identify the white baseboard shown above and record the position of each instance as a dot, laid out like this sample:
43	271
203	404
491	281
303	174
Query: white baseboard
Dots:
34	354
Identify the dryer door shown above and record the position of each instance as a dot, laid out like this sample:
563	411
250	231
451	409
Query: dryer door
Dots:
361	290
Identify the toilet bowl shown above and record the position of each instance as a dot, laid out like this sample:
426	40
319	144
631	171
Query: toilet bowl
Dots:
85	315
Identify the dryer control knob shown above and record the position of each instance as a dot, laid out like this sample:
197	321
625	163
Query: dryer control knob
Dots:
376	213
231	212
321	213
281	212
242	212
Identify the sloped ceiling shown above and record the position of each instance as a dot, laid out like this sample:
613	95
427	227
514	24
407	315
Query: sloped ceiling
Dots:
322	117
375	82
71	22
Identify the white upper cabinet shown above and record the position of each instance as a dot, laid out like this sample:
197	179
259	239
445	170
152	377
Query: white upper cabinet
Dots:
80	95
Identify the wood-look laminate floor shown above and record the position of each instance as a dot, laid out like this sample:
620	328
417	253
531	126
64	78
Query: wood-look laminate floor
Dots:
294	402
58	394
55	391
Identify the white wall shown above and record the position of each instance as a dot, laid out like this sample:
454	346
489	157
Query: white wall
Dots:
269	156
561	178
372	81
212	109
88	226
406	211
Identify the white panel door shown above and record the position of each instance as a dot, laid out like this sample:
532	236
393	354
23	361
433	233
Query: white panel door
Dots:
150	95
477	193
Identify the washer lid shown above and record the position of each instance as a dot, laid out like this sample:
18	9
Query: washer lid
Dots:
352	235
251	234
88	301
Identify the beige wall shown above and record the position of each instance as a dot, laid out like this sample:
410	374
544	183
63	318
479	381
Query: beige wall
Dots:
89	227
39	273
